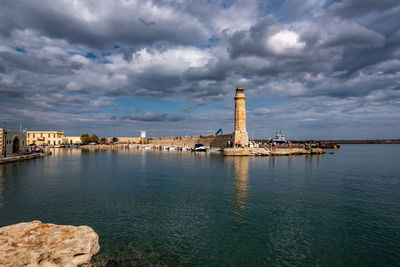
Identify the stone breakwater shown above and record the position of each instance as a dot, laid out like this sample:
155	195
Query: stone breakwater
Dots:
271	152
42	244
213	141
20	158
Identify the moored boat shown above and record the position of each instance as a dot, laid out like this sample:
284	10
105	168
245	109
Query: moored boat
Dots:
199	148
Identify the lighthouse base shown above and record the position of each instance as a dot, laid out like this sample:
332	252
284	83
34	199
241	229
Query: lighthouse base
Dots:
240	139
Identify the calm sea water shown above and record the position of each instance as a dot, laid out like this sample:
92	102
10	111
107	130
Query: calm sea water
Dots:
196	209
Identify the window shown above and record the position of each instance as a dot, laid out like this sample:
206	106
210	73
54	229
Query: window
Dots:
49	135
33	135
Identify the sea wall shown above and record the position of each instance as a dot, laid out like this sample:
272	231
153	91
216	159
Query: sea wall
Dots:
271	152
215	141
20	158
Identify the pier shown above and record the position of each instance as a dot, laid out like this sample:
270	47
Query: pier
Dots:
21	158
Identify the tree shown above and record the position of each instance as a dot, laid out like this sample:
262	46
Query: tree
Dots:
85	138
115	139
94	138
103	140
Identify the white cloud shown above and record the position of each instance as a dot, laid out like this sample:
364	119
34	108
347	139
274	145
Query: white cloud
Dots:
239	16
284	41
174	60
73	87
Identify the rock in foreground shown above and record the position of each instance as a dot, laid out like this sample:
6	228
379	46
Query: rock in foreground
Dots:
41	244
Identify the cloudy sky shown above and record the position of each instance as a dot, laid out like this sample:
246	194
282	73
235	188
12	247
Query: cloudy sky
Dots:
313	68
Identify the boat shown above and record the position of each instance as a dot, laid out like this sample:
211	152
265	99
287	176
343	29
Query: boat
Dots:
199	148
144	147
212	150
60	146
279	138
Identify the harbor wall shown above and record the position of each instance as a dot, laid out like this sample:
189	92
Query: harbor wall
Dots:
215	141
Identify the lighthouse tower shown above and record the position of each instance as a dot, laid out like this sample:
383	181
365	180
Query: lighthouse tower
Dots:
240	136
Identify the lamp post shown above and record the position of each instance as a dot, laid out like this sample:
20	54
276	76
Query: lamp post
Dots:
5	138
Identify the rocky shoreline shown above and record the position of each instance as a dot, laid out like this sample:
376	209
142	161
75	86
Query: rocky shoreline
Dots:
271	152
42	244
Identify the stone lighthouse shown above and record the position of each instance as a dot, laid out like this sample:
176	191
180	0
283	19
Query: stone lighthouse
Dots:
240	136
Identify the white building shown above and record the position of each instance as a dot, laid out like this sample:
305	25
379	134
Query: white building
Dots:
45	137
12	142
143	134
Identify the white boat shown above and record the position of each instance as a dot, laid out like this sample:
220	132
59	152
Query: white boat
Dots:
199	148
144	147
278	138
60	146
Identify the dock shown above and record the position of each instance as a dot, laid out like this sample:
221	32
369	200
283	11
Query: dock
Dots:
17	158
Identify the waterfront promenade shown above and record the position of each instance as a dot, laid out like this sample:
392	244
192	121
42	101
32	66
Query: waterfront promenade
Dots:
16	158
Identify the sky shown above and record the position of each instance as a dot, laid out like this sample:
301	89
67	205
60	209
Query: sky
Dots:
318	69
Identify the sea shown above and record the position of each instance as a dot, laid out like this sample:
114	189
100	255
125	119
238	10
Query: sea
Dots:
180	208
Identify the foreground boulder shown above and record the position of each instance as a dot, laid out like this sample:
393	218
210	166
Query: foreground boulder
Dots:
42	244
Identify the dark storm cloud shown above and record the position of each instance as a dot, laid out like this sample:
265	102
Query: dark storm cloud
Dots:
213	71
34	64
352	8
355	59
95	24
71	62
152	117
354	35
252	41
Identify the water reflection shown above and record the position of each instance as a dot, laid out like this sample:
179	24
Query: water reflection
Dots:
241	167
272	162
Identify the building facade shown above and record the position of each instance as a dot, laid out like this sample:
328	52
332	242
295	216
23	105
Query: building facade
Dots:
73	140
45	137
12	142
